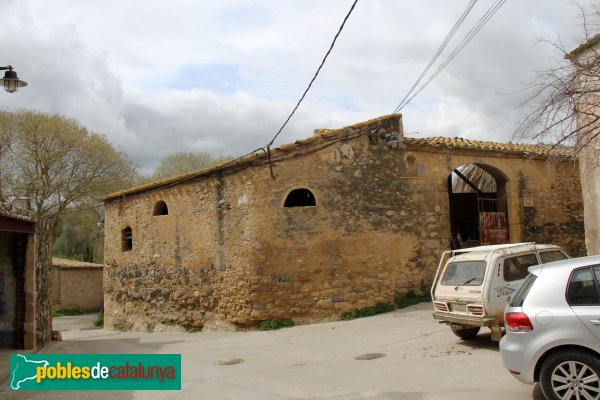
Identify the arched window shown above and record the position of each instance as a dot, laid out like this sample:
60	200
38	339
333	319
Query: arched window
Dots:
126	239
160	208
300	198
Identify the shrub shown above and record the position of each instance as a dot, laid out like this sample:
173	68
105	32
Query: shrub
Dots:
99	320
410	298
379	308
270	325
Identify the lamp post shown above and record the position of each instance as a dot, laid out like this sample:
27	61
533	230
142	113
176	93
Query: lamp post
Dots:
11	82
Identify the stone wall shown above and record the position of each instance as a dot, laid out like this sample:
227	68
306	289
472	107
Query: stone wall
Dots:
8	295
23	234
589	157
228	254
76	285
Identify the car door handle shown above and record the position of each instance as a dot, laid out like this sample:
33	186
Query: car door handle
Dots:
595	321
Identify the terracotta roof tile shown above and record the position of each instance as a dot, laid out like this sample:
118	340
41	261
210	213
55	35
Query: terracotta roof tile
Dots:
526	150
327	135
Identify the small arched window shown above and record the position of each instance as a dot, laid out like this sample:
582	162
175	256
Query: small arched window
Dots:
300	198
126	239
160	208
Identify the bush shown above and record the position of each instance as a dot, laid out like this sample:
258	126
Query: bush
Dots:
67	313
410	298
380	308
271	325
99	322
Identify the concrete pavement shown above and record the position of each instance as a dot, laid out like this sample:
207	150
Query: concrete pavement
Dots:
419	359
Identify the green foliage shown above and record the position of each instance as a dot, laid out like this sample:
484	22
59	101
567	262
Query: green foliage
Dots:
67	313
57	164
379	308
191	329
185	161
79	236
400	301
270	325
99	321
410	298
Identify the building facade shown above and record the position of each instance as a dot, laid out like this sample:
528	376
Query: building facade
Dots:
25	321
341	220
76	285
588	123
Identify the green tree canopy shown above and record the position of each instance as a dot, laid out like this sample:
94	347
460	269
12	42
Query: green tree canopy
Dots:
57	164
185	161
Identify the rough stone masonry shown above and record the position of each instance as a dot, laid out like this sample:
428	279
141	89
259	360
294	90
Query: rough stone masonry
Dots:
221	248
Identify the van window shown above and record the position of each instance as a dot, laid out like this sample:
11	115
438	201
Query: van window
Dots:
467	273
552	255
515	268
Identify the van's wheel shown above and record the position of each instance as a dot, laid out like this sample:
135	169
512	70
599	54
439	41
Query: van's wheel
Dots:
570	374
465	333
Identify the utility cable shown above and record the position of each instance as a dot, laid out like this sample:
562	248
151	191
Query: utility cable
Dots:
438	52
466	39
316	74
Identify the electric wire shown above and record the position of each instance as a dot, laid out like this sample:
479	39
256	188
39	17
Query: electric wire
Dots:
316	74
439	51
466	39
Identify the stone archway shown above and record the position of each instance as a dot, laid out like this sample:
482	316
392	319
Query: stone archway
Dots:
478	206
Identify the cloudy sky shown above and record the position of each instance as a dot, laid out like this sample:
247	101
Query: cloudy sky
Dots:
157	77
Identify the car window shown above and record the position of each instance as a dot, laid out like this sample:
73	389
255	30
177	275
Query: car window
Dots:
515	268
552	255
519	298
582	290
468	273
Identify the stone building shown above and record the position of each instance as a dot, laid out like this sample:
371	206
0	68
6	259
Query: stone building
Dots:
338	221
76	285
589	157
25	321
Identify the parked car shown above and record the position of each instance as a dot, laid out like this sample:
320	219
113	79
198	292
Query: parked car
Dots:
553	329
472	286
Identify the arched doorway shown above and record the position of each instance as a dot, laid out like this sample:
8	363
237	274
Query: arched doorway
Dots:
478	209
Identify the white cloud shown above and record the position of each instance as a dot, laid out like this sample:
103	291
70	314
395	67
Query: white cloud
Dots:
148	75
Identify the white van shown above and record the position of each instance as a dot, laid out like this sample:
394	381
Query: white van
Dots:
472	286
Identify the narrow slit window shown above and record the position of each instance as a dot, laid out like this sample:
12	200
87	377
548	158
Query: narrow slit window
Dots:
300	198
126	239
160	208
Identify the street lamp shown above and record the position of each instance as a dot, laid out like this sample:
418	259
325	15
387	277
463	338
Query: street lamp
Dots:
11	82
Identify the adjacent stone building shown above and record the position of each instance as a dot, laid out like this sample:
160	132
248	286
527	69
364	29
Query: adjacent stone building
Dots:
588	106
25	321
341	220
76	285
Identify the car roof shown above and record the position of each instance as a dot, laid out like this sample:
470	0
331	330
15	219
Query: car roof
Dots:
482	252
570	263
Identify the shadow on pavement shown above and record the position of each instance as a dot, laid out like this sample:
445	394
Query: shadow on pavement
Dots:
482	341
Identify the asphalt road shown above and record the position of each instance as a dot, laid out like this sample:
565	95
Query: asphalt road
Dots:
419	359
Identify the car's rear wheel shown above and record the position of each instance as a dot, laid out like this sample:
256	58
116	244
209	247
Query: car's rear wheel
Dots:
465	333
571	374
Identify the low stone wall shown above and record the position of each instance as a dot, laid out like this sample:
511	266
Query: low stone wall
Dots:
76	285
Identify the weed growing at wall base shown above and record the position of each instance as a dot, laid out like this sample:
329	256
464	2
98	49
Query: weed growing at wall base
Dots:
400	301
410	299
270	325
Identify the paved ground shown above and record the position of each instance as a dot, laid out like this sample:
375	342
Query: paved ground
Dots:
423	361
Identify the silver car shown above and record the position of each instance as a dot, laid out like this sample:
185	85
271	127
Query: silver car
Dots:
553	329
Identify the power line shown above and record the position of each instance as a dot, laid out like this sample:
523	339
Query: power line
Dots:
316	74
438	52
465	40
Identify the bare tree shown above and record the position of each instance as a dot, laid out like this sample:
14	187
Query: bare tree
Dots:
566	98
57	164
